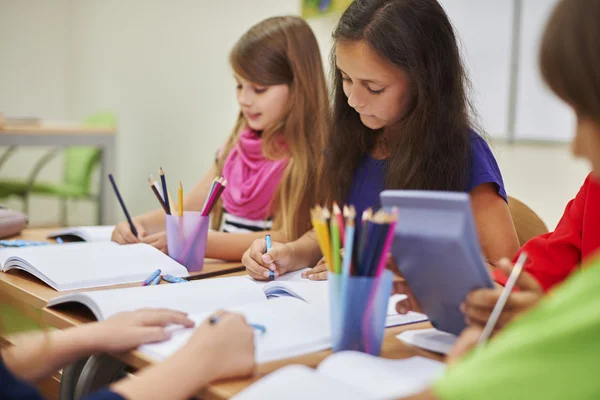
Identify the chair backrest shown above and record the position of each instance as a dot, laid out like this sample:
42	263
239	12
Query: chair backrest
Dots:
80	161
527	223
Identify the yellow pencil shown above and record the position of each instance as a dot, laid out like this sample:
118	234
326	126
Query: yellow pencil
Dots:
173	205
180	195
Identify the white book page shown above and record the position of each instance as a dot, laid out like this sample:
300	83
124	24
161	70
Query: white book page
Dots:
429	339
380	377
293	328
193	297
87	233
297	382
313	292
73	266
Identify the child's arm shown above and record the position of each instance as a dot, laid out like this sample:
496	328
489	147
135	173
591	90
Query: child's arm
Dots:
154	221
301	253
231	246
122	332
218	351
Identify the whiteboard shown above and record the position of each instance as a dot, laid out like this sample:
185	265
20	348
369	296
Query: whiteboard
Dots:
539	115
484	28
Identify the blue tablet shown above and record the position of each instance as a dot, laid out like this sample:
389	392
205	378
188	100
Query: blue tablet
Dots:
437	250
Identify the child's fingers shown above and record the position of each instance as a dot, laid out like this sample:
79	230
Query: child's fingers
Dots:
319	268
318	276
525	282
483	298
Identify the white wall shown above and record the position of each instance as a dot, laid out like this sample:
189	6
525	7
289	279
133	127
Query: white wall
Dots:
33	80
162	67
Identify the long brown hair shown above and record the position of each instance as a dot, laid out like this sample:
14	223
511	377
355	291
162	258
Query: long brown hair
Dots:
432	150
570	55
284	50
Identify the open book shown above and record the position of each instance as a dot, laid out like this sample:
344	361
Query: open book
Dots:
206	295
348	375
84	233
296	320
193	297
86	265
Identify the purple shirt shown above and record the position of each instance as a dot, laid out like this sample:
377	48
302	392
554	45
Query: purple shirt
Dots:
369	177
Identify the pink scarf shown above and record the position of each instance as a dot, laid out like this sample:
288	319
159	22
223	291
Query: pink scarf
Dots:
251	178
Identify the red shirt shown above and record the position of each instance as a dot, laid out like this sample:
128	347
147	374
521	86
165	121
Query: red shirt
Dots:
553	256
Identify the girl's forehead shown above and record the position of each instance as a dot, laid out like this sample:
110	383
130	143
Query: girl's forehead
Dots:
360	61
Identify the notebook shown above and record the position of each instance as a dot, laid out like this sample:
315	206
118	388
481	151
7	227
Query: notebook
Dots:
84	233
194	297
293	327
74	266
348	375
437	250
429	339
206	295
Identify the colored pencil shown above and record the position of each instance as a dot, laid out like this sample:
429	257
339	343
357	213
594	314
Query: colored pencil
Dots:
163	180
180	198
154	188
129	220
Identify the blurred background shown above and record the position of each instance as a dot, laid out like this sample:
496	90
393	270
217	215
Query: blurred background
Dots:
161	67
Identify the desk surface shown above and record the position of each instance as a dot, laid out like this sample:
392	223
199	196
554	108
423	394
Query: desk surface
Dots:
23	288
55	128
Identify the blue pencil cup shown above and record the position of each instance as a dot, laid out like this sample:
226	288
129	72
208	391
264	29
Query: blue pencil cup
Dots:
186	239
358	311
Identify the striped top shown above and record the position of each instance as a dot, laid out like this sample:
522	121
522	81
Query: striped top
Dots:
234	224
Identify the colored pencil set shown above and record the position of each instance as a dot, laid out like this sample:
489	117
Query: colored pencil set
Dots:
365	247
176	209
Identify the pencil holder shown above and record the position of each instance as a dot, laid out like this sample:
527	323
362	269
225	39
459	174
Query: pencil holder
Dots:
186	239
358	311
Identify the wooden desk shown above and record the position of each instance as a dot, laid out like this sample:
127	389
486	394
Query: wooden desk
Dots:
65	135
32	294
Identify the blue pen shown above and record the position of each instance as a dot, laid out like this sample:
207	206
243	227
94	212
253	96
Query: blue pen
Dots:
269	245
152	277
155	281
173	279
257	327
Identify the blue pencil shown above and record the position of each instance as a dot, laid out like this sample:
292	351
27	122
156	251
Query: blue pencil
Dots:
163	180
155	281
152	277
114	185
269	245
173	279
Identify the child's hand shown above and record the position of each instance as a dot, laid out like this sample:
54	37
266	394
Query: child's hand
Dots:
123	235
318	272
158	240
479	303
259	263
227	346
128	330
467	340
400	286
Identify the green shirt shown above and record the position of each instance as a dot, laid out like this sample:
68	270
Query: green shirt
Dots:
552	352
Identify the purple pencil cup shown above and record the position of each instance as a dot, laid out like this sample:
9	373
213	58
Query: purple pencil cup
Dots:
186	239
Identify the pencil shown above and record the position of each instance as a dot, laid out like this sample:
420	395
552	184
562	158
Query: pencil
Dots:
180	195
114	185
340	221
163	180
512	279
154	188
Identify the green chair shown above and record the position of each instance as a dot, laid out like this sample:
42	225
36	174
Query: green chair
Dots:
79	165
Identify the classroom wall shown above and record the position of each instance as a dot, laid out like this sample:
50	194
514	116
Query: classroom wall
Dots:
162	67
34	64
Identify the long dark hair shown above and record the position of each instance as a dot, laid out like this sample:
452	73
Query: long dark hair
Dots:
432	150
570	55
